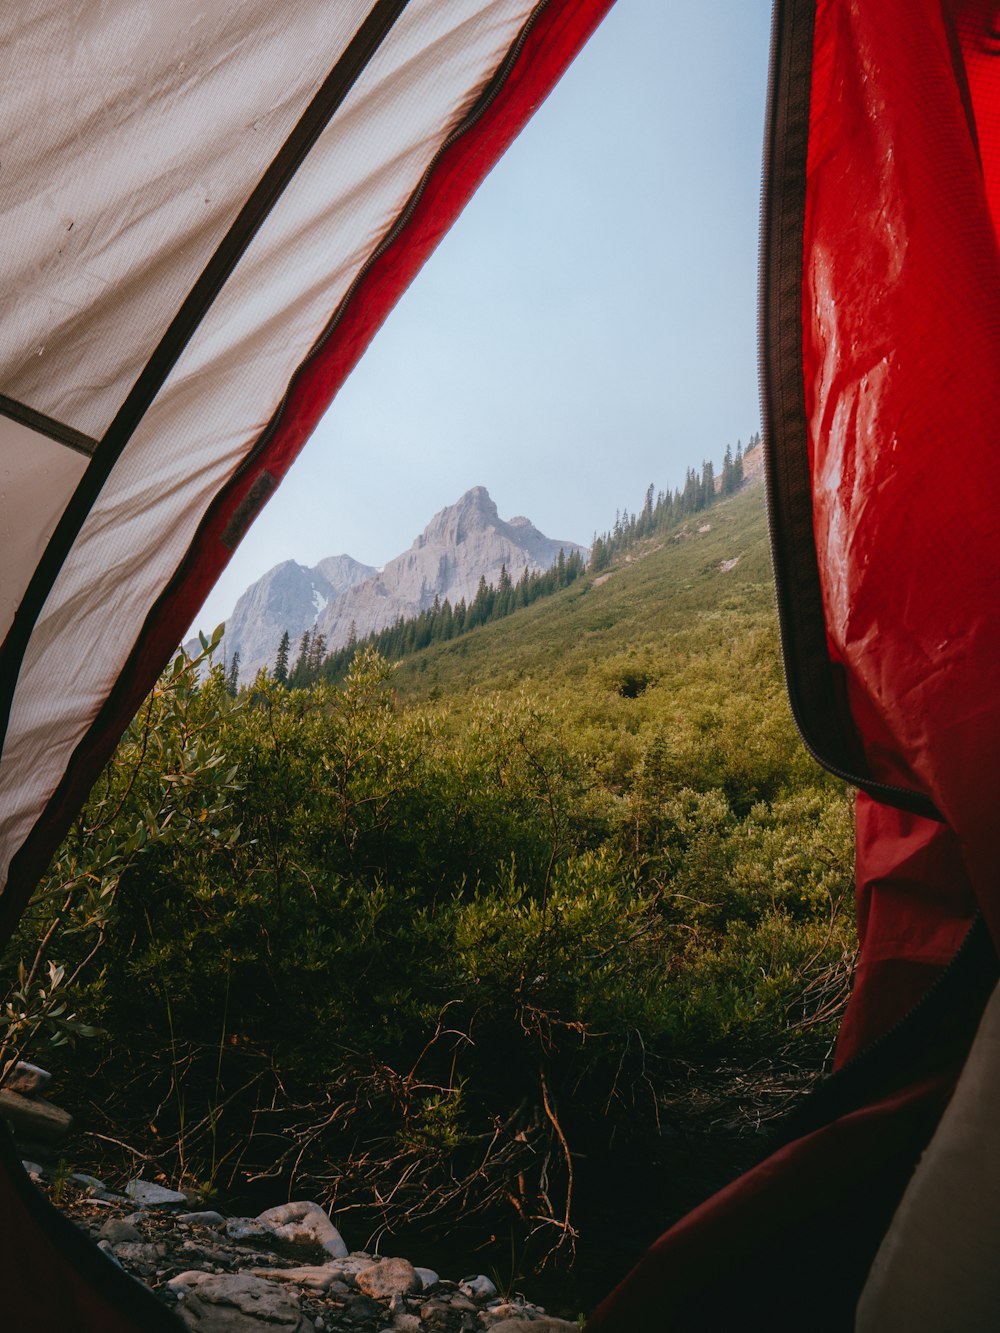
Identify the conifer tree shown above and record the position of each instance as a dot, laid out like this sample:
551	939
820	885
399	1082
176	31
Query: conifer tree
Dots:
727	471
502	604
708	481
482	604
599	554
281	661
646	520
300	671
317	652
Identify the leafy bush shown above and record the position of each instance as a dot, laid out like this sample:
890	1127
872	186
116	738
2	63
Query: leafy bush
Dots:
411	953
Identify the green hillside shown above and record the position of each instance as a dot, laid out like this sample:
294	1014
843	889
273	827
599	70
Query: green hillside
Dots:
669	589
426	943
678	639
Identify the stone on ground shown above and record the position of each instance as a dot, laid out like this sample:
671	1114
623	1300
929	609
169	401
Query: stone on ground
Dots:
388	1278
239	1303
305	1223
149	1195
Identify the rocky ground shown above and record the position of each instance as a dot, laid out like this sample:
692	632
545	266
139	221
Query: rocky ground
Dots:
288	1269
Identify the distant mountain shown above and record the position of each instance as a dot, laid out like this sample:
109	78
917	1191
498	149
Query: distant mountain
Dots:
697	593
462	544
288	597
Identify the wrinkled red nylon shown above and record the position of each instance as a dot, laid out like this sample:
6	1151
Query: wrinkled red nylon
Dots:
901	343
901	368
915	907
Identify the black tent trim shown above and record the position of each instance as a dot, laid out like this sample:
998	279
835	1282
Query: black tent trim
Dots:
815	686
43	425
279	174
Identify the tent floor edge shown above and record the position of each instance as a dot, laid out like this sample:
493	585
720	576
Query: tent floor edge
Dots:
65	1281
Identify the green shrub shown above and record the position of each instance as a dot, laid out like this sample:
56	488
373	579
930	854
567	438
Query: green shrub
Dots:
413	951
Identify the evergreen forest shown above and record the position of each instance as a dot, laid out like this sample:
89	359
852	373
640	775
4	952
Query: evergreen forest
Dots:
441	931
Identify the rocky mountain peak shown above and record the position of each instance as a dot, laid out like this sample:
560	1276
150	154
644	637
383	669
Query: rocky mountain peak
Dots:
288	597
473	513
462	543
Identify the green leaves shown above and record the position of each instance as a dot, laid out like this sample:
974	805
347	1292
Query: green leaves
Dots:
457	916
167	794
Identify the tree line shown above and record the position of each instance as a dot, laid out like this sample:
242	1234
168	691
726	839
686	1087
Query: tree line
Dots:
665	509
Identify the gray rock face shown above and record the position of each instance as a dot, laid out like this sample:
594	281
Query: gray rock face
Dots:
288	597
462	544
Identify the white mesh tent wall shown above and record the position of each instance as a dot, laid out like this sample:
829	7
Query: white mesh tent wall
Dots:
205	214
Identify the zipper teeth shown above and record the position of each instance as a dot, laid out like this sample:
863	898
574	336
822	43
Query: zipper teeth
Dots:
490	95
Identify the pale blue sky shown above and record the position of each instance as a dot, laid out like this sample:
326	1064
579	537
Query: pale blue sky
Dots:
588	326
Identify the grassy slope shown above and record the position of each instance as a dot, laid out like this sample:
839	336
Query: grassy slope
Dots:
662	594
705	637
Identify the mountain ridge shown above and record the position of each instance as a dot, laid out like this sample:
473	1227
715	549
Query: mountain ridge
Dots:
640	615
339	596
462	544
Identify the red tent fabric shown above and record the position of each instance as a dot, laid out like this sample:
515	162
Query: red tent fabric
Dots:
880	330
